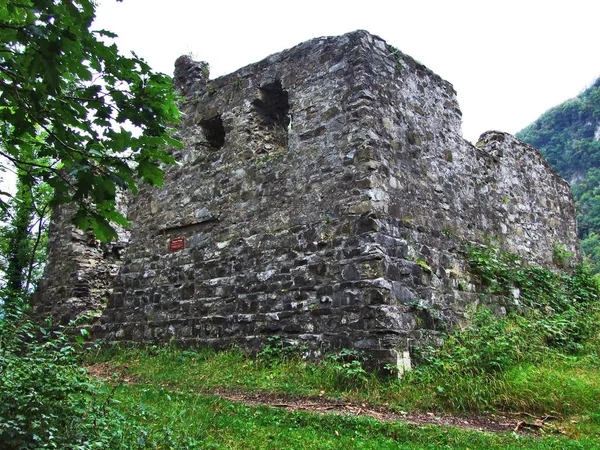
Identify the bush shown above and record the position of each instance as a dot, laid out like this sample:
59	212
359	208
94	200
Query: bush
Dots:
561	307
555	317
46	400
349	367
278	350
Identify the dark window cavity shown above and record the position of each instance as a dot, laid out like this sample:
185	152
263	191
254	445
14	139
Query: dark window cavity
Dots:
214	131
273	111
273	106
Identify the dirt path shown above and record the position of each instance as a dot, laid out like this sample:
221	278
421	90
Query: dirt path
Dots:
320	405
521	423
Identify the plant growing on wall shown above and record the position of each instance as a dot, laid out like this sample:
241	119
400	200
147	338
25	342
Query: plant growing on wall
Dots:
23	237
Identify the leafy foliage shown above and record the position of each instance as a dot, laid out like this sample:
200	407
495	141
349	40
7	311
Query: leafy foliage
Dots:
556	302
277	350
565	133
569	137
46	399
554	315
349	366
23	237
100	120
16	239
78	122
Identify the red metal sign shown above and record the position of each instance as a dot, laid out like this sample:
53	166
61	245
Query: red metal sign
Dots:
177	243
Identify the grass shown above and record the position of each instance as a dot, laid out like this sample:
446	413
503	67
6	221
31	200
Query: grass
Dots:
557	385
540	360
168	418
562	387
171	395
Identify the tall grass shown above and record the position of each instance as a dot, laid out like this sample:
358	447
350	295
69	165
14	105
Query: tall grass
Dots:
542	357
184	420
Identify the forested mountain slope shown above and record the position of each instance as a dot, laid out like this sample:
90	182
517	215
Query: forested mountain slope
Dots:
569	137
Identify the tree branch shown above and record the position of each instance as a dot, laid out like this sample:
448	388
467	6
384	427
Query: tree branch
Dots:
35	246
5	26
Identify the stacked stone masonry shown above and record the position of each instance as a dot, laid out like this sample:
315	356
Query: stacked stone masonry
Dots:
80	272
323	195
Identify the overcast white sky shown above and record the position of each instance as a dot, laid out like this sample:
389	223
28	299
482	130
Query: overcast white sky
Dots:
509	60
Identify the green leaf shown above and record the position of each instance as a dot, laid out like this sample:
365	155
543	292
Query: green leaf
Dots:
66	93
150	172
102	229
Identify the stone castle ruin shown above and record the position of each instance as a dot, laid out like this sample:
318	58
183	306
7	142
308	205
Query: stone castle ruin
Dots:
322	196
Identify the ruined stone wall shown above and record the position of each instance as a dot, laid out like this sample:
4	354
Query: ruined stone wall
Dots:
430	191
80	271
322	195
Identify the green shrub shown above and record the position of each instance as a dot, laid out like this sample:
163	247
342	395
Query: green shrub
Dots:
278	350
561	307
554	317
46	400
348	366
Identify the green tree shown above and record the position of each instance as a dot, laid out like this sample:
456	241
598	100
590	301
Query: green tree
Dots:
23	236
99	120
590	246
17	253
78	121
567	135
587	198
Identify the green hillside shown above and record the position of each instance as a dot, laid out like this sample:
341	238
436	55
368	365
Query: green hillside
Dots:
569	137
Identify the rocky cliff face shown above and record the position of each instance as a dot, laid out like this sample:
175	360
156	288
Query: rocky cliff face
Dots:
323	195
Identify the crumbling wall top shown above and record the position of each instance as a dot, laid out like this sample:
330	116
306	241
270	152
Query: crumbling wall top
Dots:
190	75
